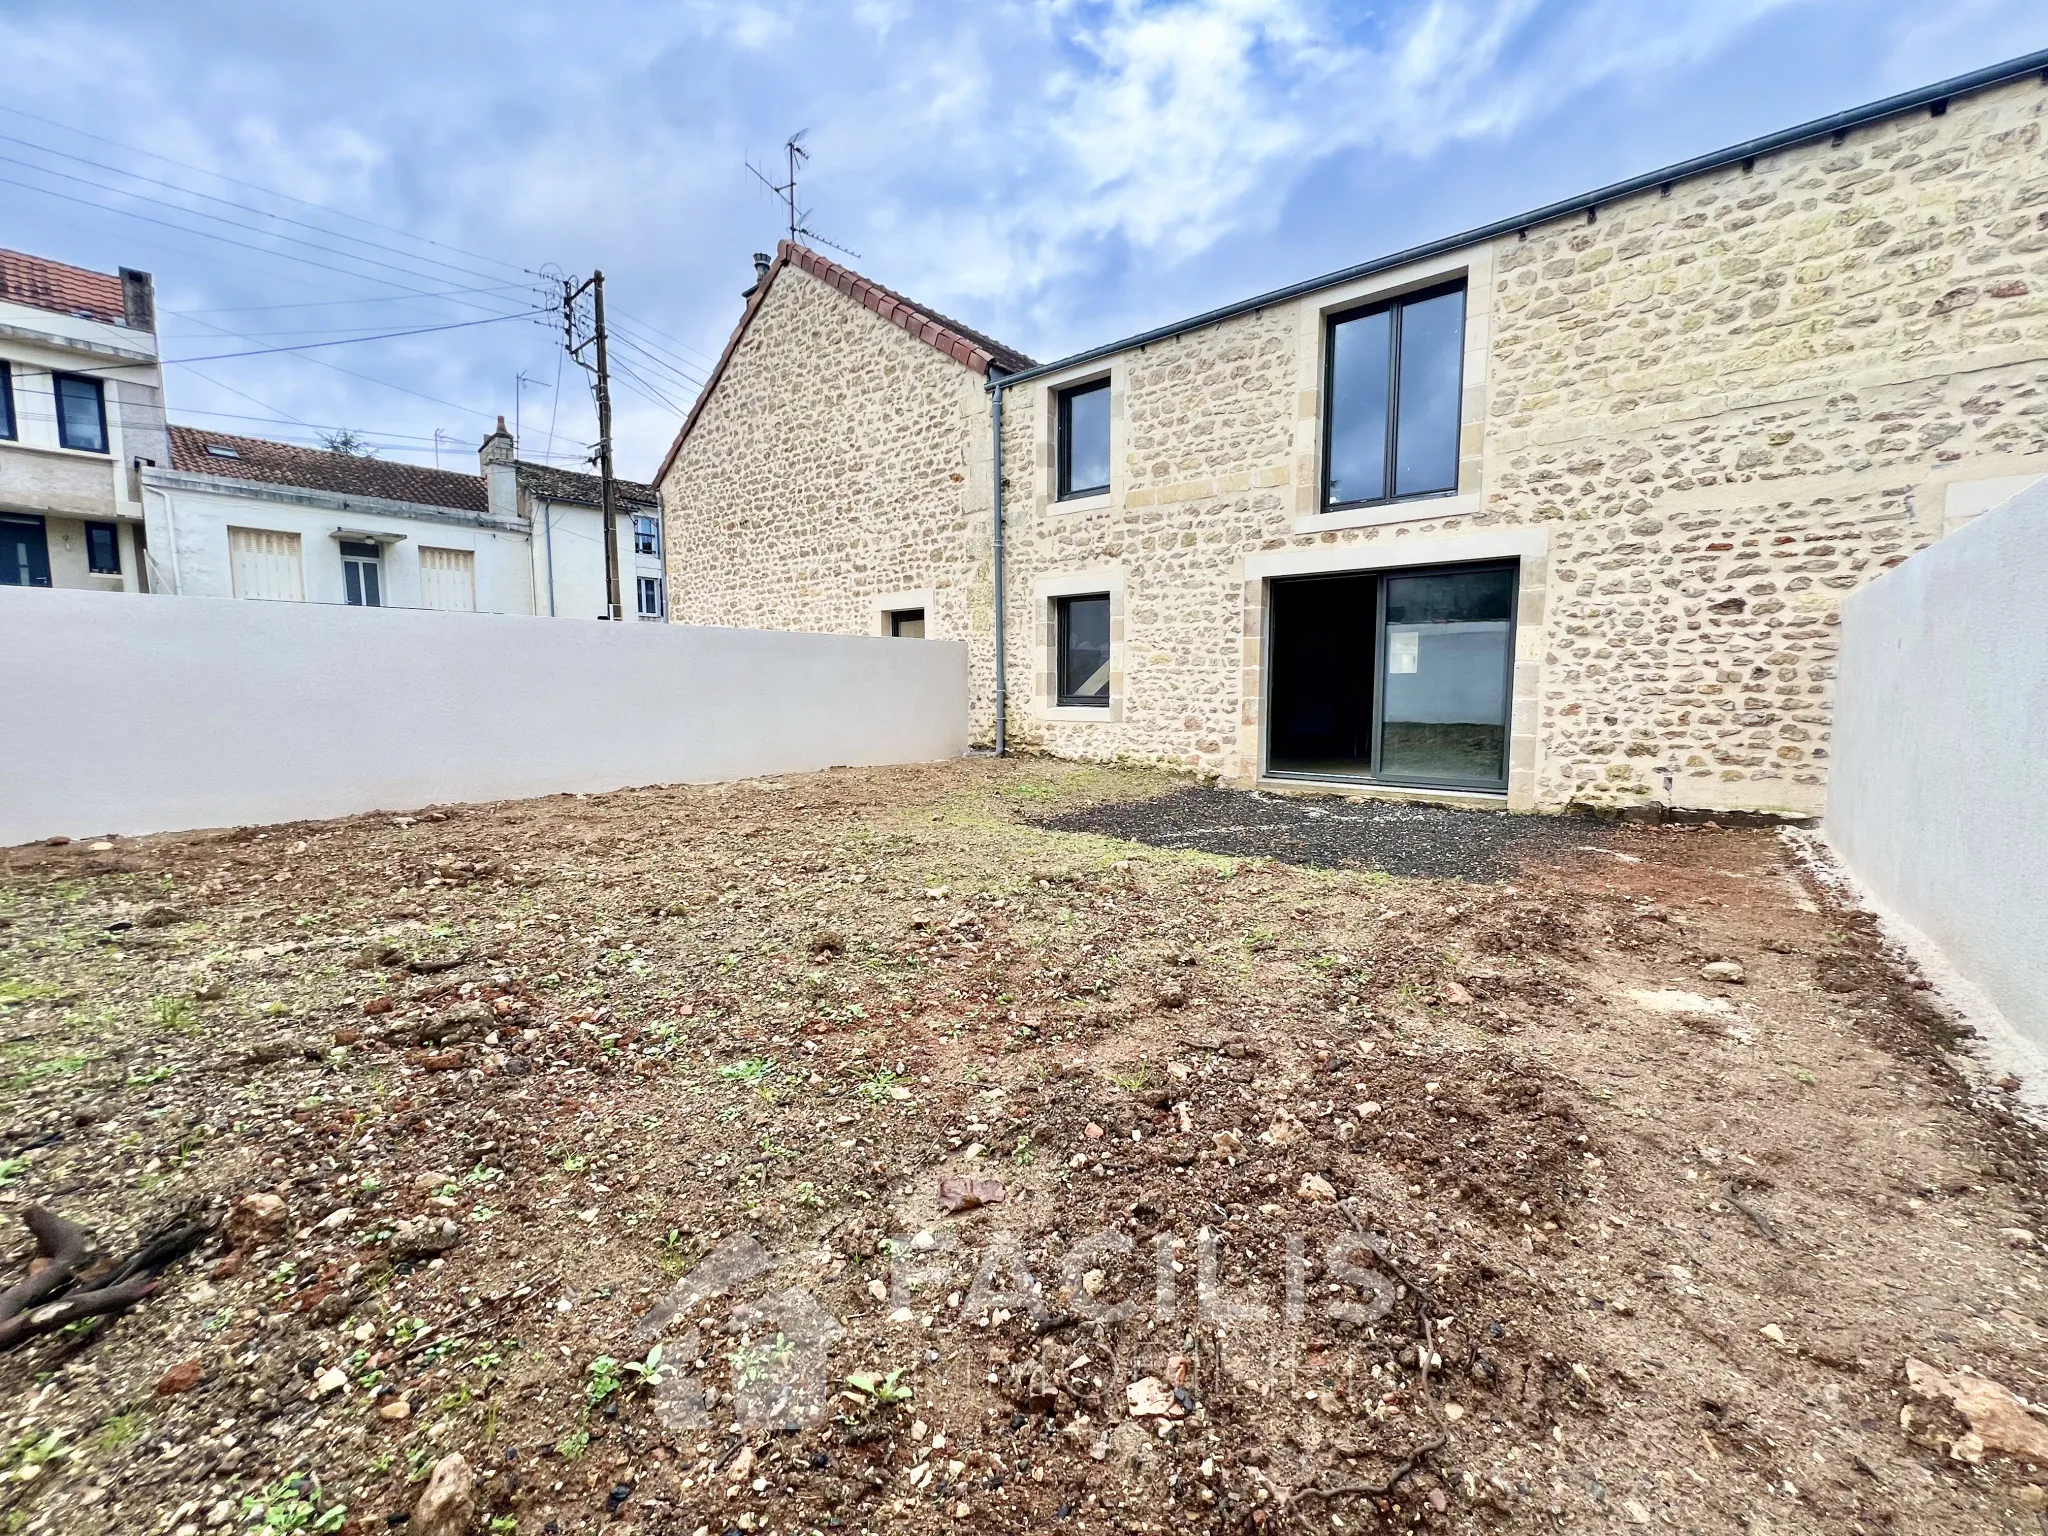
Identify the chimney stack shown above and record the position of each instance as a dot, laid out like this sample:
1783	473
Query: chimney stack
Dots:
762	261
498	448
138	300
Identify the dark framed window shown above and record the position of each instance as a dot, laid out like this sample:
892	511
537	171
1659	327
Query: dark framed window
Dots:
102	549
6	400
646	535
1395	677
907	623
1393	375
650	596
81	412
1082	643
1084	440
362	573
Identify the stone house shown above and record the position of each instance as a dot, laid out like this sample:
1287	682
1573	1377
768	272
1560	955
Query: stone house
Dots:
1559	510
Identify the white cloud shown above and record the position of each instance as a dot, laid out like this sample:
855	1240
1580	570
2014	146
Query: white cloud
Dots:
1189	120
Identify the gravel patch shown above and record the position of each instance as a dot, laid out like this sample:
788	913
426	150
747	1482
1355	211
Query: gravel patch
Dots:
1415	841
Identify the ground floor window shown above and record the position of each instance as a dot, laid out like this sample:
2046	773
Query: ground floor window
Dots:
362	574
1082	642
907	623
650	597
102	549
1398	677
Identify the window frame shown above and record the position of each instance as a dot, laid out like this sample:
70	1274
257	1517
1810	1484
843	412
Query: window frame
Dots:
899	616
641	584
1518	568
1062	608
99	394
350	563
1063	442
652	546
10	430
1392	304
113	533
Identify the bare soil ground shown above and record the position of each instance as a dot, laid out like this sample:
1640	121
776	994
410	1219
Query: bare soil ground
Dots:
1329	1199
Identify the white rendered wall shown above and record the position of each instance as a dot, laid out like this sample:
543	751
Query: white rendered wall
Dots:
140	714
1938	798
188	541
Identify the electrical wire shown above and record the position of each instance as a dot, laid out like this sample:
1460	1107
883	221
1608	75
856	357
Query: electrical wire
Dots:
381	298
266	191
411	270
207	234
309	346
688	379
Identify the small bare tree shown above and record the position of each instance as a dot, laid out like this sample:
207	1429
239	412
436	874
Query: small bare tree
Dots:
346	440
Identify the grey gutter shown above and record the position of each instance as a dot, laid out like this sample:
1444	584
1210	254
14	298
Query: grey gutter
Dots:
996	382
1934	95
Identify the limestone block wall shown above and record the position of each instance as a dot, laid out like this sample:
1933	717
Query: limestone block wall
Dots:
1737	401
839	462
1717	410
1698	419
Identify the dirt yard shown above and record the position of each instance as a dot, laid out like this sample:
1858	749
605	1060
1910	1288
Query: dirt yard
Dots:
1282	1198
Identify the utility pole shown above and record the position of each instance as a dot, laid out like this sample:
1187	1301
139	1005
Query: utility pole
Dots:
594	286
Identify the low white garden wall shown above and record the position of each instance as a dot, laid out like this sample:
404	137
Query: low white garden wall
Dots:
1938	794
131	714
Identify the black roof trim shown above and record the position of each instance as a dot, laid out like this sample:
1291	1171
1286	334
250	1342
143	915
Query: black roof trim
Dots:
1937	94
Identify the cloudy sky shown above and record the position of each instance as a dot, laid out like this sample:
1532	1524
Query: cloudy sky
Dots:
1058	173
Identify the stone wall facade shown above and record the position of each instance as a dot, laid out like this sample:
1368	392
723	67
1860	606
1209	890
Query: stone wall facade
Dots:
838	470
1697	417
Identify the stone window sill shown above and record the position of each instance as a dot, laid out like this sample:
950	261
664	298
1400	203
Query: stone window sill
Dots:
1424	509
1094	503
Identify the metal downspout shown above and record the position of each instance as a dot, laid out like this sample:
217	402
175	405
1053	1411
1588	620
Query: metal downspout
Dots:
996	532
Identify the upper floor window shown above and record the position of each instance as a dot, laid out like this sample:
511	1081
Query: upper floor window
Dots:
1084	440
650	597
6	400
81	412
646	535
1394	375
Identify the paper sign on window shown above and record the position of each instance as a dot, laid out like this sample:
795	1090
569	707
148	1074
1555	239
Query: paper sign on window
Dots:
1404	650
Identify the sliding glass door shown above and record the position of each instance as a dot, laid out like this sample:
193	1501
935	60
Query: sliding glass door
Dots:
1397	677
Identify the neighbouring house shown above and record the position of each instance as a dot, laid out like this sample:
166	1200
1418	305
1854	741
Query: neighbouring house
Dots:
244	517
564	511
1562	509
81	411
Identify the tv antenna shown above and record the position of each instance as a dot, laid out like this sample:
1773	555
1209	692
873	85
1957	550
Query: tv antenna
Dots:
798	217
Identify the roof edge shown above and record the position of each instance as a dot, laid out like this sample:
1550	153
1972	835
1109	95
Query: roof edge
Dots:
1785	138
947	337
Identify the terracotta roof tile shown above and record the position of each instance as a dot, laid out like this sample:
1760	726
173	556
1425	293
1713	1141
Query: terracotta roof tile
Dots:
315	469
585	490
64	290
965	345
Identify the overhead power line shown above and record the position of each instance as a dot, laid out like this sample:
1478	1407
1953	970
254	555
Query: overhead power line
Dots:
262	213
355	218
381	298
201	213
309	346
207	234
